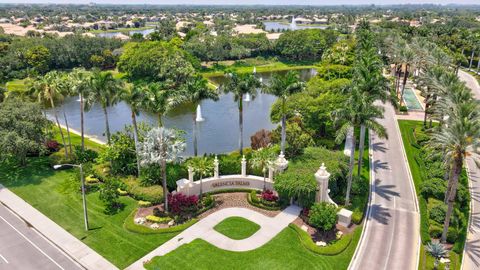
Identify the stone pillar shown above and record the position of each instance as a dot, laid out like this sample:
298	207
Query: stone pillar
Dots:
216	173
190	174
281	162
322	181
244	166
270	172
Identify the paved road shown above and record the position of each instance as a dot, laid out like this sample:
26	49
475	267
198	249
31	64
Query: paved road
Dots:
269	228
391	236
23	248
471	256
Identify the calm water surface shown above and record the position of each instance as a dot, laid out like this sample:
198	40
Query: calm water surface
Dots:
217	134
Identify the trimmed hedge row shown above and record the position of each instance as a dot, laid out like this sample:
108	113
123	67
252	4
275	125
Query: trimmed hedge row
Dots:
130	225
331	250
258	204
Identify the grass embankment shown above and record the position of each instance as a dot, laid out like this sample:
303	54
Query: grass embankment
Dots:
418	169
237	228
284	251
56	194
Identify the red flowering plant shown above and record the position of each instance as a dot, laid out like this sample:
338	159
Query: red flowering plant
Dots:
52	146
269	196
182	205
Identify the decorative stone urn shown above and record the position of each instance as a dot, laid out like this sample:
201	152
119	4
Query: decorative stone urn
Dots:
281	163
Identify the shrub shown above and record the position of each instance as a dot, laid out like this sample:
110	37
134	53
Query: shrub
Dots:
144	204
357	217
152	194
130	225
183	205
52	146
156	219
269	196
88	155
158	213
403	108
253	196
101	171
91	179
330	250
109	196
438	212
434	187
452	235
323	216
59	158
435	231
359	186
208	201
121	192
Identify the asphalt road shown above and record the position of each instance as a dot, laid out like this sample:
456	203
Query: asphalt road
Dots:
471	256
23	248
391	236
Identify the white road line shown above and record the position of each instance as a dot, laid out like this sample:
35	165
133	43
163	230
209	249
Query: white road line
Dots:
3	258
33	244
392	236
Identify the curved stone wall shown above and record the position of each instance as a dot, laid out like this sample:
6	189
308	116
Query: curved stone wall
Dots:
223	182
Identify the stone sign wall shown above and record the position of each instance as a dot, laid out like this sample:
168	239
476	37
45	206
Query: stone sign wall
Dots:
223	182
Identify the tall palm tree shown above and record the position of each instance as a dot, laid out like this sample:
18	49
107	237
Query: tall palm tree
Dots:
201	166
62	83
437	251
240	85
135	98
45	90
359	109
105	89
283	86
261	159
162	145
159	99
193	92
408	57
78	80
457	139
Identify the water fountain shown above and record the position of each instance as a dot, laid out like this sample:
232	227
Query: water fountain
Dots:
293	24
199	114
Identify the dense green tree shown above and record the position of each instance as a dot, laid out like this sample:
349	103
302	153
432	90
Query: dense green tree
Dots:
305	45
323	216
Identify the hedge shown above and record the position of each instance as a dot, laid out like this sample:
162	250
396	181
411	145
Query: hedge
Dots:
130	225
330	250
258	204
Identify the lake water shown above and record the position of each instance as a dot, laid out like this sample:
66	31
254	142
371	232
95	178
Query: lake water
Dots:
217	134
144	32
270	25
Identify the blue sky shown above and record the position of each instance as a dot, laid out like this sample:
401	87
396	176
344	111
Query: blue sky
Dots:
249	2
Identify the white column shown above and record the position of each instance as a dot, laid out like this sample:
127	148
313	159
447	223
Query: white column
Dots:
190	174
244	166
216	173
270	172
322	181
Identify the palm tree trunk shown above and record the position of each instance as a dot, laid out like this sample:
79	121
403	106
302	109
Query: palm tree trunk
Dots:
195	143
240	123
68	131
160	122
201	186
107	126
82	133
284	124
426	110
404	83
135	138
350	168
478	63
59	127
397	82
361	146
456	170
471	59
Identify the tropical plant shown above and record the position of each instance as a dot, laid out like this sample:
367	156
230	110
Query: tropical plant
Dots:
437	251
106	89
135	98
262	159
323	216
78	80
159	99
162	145
194	90
283	86
201	166
240	85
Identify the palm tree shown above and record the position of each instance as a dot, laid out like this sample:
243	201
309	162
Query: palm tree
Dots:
134	97
105	89
240	85
78	80
457	139
162	145
44	88
408	57
158	99
201	166
193	92
283	86
261	159
358	110
437	251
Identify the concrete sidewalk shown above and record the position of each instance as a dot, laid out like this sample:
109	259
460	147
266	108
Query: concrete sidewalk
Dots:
75	248
203	229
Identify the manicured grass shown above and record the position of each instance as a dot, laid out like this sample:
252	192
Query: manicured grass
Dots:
237	228
285	251
76	139
413	154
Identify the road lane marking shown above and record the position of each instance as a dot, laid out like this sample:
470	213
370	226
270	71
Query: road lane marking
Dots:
33	244
3	258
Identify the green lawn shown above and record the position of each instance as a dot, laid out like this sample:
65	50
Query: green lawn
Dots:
56	194
76	139
237	228
285	251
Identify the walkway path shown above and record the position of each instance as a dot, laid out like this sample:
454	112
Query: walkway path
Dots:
471	256
390	239
203	229
66	242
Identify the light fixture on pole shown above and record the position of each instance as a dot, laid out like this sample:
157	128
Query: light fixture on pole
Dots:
82	179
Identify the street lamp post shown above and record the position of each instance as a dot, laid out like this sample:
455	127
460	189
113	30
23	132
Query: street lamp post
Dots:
82	179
